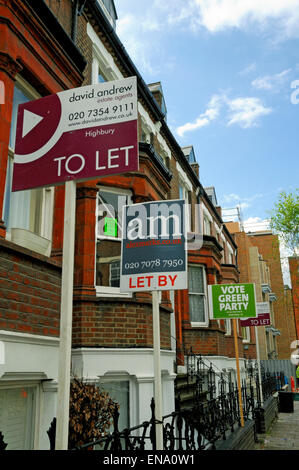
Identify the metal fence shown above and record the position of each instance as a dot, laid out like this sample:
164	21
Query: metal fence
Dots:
285	365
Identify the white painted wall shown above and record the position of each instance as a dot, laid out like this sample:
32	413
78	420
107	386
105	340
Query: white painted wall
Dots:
137	366
32	360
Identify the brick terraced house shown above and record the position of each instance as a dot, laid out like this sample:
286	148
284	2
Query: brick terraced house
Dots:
268	245
253	268
46	47
259	261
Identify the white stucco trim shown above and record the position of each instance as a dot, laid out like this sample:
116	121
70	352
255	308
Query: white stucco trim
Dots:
183	177
103	57
16	337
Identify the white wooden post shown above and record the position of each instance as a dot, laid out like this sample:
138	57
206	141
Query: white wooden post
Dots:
157	370
66	314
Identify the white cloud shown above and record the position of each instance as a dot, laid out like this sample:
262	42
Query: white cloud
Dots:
280	17
143	30
204	119
246	111
250	68
271	82
217	15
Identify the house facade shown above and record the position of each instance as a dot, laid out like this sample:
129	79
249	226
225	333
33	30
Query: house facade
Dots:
254	269
259	262
47	47
268	245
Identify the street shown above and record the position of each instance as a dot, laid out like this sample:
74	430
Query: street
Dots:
284	434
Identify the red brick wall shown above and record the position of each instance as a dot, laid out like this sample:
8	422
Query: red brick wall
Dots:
117	324
211	342
29	291
243	243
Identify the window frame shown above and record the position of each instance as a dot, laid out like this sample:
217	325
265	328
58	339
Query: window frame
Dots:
228	326
246	336
36	404
205	323
123	376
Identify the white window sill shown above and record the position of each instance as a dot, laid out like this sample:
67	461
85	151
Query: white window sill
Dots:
30	240
199	324
112	292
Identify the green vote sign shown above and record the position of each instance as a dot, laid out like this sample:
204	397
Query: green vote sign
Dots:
232	301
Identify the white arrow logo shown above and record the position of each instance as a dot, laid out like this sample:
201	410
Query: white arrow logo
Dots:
30	120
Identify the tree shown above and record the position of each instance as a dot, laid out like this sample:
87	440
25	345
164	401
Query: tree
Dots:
91	412
285	219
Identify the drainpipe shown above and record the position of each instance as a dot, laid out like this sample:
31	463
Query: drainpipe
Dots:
74	20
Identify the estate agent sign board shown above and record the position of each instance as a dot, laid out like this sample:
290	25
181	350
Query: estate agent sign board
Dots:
77	134
232	301
154	255
263	316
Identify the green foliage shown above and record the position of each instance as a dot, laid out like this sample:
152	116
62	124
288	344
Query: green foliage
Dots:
91	412
285	218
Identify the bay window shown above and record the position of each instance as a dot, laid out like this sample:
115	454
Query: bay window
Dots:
27	212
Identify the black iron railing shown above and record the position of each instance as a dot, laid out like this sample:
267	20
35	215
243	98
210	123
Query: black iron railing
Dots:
214	414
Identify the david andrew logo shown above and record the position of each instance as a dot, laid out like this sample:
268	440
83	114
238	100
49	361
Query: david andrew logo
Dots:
2	92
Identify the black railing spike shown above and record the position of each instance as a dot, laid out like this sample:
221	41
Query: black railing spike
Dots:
115	418
52	434
3	444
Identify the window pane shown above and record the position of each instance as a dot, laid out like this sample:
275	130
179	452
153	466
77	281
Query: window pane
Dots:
108	263
196	282
119	392
17	417
197	308
109	234
109	212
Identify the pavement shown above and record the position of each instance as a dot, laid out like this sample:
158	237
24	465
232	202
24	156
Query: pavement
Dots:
283	434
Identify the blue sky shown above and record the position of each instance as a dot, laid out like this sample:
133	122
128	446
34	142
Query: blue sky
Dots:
226	68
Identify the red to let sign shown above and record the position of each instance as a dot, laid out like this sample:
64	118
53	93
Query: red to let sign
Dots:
77	134
263	318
